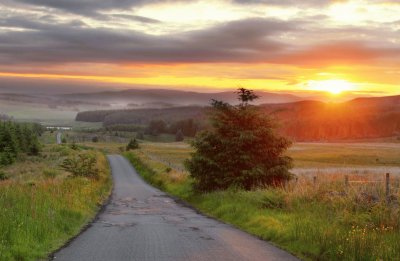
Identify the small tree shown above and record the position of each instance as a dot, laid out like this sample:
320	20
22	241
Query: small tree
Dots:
179	136
82	165
132	145
140	135
242	149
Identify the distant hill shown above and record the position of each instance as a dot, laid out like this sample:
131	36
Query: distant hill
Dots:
360	118
161	97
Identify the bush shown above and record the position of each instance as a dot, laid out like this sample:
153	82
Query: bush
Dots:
132	145
95	139
74	146
241	150
82	165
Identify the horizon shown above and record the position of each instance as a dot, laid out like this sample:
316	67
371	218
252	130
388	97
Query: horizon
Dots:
343	49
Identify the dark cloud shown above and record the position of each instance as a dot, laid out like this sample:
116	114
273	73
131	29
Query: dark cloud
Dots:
90	7
240	41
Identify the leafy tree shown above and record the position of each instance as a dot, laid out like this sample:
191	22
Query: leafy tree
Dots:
179	136
82	165
16	138
242	149
132	145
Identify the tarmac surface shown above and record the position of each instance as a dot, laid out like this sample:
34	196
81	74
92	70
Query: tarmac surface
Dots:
144	224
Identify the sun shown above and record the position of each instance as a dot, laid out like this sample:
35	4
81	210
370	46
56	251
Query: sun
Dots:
334	87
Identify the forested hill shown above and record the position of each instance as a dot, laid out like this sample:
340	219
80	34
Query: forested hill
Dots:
357	119
303	121
142	116
160	98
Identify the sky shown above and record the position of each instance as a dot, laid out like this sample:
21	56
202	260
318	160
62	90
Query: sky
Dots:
274	45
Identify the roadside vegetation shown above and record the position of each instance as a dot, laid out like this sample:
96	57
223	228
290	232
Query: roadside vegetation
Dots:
325	221
43	204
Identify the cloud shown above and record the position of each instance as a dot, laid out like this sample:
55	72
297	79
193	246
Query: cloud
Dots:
90	7
312	3
246	40
338	53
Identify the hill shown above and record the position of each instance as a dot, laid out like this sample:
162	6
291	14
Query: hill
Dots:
361	118
167	98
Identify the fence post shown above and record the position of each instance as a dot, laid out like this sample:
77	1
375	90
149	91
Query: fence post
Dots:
388	187
315	180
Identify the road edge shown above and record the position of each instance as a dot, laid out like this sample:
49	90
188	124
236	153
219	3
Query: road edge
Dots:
89	224
186	204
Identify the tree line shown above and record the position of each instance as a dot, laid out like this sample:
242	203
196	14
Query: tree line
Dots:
17	138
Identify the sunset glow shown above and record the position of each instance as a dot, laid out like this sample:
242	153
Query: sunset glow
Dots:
337	47
332	86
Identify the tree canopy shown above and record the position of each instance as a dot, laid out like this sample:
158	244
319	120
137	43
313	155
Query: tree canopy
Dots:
16	138
242	148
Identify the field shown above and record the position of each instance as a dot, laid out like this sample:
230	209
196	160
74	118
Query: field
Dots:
308	157
325	220
42	206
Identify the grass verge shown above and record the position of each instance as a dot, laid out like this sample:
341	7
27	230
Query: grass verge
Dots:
313	222
42	206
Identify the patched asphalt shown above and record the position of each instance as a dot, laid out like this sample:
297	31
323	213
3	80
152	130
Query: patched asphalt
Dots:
143	223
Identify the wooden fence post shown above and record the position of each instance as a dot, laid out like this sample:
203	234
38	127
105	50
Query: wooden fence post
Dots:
388	187
315	180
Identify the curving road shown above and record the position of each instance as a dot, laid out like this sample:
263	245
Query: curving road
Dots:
144	224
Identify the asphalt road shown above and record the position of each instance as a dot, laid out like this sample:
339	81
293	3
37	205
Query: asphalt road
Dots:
144	224
59	135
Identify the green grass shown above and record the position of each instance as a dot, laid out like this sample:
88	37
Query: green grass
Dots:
42	207
319	222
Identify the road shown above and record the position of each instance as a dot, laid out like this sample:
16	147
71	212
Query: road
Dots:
144	224
59	135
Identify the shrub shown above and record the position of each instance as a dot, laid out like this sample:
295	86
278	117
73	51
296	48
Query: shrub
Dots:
132	145
82	165
95	139
241	150
74	146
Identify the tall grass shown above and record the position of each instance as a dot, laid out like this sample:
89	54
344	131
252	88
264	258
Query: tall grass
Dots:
39	213
324	221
